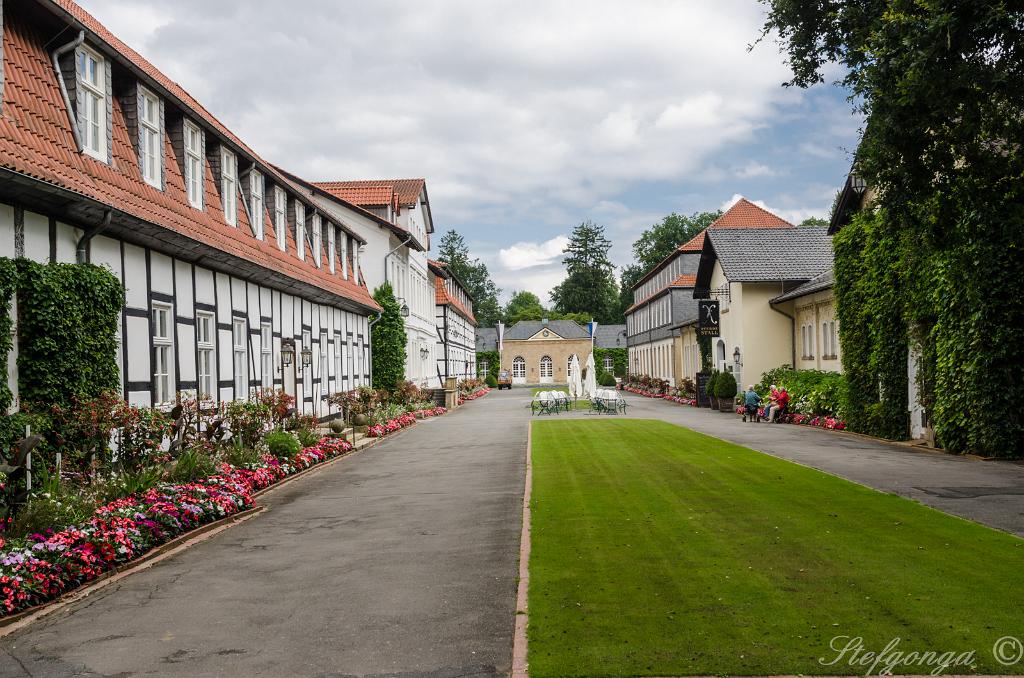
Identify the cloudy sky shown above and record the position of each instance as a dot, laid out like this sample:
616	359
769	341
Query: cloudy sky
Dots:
526	117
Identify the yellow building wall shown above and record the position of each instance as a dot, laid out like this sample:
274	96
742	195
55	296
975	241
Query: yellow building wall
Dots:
532	350
814	310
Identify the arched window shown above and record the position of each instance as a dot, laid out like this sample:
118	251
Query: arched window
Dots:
519	367
546	371
720	353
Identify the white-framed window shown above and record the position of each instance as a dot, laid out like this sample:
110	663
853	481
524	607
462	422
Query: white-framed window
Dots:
163	354
150	134
324	363
194	164
92	114
205	333
344	255
519	367
339	360
266	355
609	364
331	250
280	217
546	367
240	358
355	262
825	345
229	185
256	203
833	345
307	372
482	368
317	242
300	229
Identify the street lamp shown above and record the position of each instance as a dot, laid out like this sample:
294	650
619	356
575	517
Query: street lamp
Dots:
287	352
307	356
736	355
858	184
404	308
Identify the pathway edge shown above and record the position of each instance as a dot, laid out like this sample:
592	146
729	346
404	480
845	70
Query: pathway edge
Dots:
520	668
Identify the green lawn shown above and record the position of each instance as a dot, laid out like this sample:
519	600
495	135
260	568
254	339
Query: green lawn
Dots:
657	550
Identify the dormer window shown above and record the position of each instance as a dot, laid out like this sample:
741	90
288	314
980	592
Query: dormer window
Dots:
256	203
92	103
229	186
344	255
280	217
150	139
193	164
317	242
300	229
331	251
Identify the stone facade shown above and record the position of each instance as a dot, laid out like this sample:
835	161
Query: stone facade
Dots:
532	351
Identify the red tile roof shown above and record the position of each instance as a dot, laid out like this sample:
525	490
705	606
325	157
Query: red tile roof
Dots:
744	214
376	192
36	140
441	296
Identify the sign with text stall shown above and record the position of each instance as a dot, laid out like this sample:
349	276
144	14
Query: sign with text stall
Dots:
708	323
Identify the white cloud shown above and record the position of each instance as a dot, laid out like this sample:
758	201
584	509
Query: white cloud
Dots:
530	254
755	169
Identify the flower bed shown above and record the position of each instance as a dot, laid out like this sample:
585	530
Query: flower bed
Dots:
682	400
479	393
41	567
816	420
390	426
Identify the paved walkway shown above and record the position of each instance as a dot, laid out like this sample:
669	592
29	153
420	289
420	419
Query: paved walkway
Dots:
399	560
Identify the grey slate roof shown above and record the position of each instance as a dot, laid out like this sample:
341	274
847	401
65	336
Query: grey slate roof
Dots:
606	336
524	329
766	254
823	281
486	339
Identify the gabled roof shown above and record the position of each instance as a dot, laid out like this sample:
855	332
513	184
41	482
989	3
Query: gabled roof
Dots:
441	296
37	151
765	255
823	281
486	339
682	281
743	214
610	336
566	329
358	197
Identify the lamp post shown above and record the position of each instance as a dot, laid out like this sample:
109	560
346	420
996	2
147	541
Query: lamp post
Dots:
737	363
287	353
403	307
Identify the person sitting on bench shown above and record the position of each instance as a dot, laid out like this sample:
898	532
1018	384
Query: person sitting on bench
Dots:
781	402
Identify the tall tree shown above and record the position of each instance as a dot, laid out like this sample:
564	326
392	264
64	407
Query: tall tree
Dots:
812	221
388	340
941	85
656	243
474	275
524	306
589	286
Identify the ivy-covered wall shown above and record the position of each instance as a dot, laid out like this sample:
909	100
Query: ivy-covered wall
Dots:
68	316
620	360
953	299
8	285
493	359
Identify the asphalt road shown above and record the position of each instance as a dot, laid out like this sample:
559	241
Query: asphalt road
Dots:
400	560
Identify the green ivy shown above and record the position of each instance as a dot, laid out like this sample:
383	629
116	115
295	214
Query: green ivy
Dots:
493	359
620	360
388	341
8	284
68	317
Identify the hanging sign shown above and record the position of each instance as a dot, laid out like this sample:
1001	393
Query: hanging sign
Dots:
708	323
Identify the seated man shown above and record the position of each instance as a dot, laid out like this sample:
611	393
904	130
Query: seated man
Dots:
773	394
750	403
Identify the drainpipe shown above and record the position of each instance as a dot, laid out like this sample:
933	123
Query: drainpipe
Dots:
792	330
83	242
57	54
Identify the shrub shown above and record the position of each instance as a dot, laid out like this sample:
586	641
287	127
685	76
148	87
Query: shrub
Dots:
126	484
52	504
491	381
709	387
810	391
308	437
606	379
192	464
283	444
141	431
687	387
247	421
240	456
725	386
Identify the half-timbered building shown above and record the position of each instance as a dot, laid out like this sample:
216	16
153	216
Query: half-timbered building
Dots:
456	325
235	278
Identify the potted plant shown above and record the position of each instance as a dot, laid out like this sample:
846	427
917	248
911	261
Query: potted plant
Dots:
710	390
725	389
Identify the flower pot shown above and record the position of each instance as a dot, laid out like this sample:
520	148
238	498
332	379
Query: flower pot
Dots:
725	405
